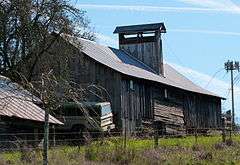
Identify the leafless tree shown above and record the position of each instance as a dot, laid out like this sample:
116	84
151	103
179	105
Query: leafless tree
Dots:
25	26
28	31
53	92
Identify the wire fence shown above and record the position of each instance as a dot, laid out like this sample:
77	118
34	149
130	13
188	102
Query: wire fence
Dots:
19	141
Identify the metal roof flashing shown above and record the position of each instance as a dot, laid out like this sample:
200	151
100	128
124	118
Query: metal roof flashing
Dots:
131	29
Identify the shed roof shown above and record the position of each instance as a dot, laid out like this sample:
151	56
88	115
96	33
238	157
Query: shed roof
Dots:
17	102
140	28
122	62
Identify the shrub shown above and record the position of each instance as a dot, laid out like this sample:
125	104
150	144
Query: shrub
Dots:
203	155
27	154
220	146
197	147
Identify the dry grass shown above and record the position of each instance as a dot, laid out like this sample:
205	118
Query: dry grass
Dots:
206	150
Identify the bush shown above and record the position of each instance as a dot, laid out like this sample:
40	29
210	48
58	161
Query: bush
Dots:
220	146
197	147
122	155
109	151
27	154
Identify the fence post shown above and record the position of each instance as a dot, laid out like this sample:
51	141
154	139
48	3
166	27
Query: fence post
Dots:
156	137
223	135
36	139
54	135
223	131
156	134
46	138
196	135
125	136
230	135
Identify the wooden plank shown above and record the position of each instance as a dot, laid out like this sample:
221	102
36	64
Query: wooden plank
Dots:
171	116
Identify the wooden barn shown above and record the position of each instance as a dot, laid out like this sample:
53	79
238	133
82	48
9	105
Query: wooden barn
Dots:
140	87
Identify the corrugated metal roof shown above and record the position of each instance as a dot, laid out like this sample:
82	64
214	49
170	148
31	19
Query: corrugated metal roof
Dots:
17	102
125	64
140	28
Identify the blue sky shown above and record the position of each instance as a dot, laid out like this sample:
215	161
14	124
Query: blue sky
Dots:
201	34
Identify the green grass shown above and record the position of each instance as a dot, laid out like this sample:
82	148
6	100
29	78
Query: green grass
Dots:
185	150
11	156
190	141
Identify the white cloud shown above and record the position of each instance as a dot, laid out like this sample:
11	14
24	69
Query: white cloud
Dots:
144	8
106	40
215	4
217	32
216	85
113	42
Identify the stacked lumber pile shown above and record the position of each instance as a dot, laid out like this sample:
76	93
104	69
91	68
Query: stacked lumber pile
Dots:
171	116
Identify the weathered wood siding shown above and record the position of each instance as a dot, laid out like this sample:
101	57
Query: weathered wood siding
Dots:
145	52
202	111
199	111
179	110
146	101
101	82
136	103
146	49
171	115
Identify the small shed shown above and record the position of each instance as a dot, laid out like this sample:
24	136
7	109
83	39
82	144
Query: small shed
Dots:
19	111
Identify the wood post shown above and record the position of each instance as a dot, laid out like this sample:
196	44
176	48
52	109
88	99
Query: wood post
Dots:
196	135
54	135
223	131
156	138
36	136
125	134
46	138
230	135
223	135
156	134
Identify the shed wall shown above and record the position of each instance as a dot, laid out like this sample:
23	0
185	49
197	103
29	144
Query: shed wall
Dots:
136	104
179	110
102	83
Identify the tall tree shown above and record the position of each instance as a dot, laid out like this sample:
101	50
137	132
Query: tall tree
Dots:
25	26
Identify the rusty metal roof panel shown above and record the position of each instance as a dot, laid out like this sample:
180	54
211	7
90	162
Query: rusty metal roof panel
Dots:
140	28
17	102
125	64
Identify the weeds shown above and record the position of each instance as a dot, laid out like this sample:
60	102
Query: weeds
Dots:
207	150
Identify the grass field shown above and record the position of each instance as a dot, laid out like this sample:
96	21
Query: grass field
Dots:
185	150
